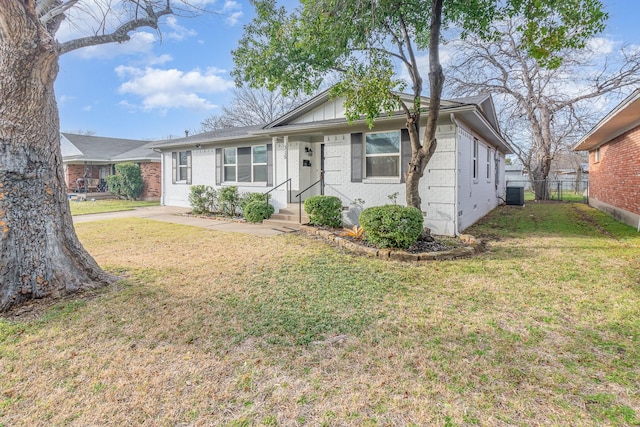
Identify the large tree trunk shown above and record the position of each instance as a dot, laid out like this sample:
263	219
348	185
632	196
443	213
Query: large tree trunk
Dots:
40	255
422	152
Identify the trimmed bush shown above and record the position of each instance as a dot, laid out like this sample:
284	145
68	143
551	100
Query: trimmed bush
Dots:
324	210
257	211
203	199
127	183
247	198
229	198
391	226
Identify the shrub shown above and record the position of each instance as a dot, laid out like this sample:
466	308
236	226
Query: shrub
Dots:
247	198
127	183
203	199
257	211
392	225
324	210
228	198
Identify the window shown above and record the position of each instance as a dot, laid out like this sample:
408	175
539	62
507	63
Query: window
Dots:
259	160
382	154
230	162
181	167
245	164
597	155
488	163
475	158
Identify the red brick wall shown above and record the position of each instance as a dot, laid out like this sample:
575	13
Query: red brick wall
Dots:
615	179
152	177
77	171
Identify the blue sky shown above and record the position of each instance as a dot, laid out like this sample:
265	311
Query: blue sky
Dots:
160	84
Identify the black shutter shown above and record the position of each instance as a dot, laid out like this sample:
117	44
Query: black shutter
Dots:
356	157
269	165
189	167
405	153
174	167
218	166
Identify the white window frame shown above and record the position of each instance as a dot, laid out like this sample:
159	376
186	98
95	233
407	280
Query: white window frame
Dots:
398	155
235	165
474	164
225	165
488	164
597	155
260	163
180	166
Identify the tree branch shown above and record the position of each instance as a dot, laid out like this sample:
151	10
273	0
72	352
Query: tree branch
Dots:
121	34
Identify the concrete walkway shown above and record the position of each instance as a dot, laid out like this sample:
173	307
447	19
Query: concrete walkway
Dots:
174	215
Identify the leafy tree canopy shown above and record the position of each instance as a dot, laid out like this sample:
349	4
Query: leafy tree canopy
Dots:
365	42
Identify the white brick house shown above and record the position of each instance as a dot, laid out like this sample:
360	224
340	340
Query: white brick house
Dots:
463	181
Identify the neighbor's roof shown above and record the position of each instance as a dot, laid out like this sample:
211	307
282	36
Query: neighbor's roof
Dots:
91	148
621	119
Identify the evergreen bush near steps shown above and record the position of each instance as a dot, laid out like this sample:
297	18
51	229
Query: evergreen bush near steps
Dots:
324	211
392	226
257	211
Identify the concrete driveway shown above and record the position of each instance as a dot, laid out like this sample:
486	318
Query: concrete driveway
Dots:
175	215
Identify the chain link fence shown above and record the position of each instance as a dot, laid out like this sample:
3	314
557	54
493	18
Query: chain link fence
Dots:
554	189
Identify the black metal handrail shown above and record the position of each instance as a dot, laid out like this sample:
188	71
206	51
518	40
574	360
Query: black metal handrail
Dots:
279	185
308	188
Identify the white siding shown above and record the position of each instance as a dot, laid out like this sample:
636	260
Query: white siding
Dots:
436	187
476	197
332	109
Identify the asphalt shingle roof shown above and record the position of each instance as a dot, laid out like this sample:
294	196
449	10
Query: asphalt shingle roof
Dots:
99	148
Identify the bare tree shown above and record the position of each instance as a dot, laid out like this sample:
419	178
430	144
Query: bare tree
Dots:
541	110
40	254
251	107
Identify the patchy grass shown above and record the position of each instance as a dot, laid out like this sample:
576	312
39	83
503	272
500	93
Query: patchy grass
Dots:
212	328
81	207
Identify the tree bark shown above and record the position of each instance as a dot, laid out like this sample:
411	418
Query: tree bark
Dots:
41	255
422	152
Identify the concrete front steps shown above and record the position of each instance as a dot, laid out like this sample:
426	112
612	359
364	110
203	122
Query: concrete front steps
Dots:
287	219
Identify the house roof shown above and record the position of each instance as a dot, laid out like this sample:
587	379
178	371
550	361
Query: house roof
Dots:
91	148
210	137
624	117
476	111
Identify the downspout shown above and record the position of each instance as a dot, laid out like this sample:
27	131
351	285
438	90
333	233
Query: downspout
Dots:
162	186
455	184
285	139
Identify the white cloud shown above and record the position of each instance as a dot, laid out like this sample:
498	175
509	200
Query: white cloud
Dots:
141	43
233	12
179	32
87	108
64	99
166	89
601	45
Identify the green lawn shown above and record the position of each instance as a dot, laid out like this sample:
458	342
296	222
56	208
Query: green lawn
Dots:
219	329
81	207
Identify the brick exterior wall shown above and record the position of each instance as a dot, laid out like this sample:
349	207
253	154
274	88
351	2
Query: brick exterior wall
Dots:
615	179
152	177
77	171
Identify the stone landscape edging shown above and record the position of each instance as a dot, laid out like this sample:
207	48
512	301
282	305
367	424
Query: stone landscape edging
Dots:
472	246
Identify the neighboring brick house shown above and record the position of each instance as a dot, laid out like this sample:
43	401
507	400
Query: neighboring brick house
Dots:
614	161
463	181
95	157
